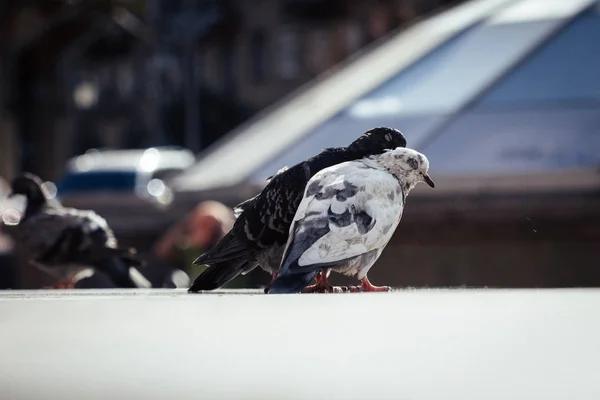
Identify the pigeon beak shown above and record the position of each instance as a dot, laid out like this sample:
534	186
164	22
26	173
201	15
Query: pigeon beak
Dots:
428	180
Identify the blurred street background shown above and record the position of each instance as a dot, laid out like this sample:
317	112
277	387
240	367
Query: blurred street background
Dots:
161	115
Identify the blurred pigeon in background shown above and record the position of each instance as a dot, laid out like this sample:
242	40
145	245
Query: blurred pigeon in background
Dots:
88	278
261	230
62	241
347	216
176	279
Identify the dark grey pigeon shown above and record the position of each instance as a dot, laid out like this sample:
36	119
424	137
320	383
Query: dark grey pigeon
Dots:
63	240
347	216
261	230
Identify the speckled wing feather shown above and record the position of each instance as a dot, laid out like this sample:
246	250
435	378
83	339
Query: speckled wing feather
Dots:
348	210
266	221
237	210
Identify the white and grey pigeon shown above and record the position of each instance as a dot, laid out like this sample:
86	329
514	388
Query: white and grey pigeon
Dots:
347	216
61	241
259	235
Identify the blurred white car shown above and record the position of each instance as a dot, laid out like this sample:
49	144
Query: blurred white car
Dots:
143	173
125	186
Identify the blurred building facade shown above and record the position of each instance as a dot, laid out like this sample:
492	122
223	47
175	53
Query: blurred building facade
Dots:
137	73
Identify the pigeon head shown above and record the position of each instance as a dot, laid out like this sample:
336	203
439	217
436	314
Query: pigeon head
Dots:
376	140
30	186
410	166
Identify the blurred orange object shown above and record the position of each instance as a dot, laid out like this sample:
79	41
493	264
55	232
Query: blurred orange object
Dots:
196	233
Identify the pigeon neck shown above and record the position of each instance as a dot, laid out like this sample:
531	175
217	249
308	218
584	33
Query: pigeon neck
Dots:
354	153
329	157
387	161
406	188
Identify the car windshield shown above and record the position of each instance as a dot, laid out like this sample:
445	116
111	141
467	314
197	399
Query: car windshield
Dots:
411	99
542	116
94	181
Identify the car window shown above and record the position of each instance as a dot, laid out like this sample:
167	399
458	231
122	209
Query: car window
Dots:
518	141
420	97
166	173
564	70
543	116
93	181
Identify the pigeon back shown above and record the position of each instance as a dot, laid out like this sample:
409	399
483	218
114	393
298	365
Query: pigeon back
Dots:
44	230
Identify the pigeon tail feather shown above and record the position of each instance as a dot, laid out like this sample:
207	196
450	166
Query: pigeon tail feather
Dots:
122	274
228	248
218	274
129	256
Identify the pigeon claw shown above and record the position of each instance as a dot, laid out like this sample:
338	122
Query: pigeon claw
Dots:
339	289
325	289
323	286
367	286
68	284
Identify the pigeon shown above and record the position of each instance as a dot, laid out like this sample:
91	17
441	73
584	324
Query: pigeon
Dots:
347	216
62	241
259	235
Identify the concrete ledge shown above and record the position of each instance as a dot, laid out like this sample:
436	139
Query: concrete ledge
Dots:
117	293
411	344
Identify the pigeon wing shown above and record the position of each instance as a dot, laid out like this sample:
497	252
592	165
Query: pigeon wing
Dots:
42	231
347	210
237	210
265	219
